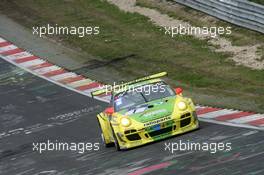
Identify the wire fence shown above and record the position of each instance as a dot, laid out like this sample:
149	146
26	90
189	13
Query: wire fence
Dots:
240	12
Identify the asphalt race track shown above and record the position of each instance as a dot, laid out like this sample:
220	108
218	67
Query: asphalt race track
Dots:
34	110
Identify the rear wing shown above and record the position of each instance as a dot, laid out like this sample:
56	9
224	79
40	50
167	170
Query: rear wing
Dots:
109	88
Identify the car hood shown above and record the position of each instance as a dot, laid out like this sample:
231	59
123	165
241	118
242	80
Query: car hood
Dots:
151	110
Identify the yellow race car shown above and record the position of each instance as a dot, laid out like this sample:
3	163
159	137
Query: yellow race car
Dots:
143	111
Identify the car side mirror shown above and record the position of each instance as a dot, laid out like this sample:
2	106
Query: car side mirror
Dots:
109	110
178	91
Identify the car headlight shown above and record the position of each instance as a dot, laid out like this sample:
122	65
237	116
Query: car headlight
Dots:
182	105
125	122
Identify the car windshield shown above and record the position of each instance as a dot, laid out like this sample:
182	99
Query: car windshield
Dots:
142	94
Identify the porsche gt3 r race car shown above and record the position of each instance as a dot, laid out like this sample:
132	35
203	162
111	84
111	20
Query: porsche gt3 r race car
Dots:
143	111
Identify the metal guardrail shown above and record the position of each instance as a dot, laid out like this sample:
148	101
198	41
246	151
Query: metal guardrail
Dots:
240	12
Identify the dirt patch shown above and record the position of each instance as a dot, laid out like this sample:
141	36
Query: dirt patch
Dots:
242	55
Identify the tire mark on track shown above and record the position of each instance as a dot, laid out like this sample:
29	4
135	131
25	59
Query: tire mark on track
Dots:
56	121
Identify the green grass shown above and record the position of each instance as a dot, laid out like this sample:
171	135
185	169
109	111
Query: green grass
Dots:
258	1
208	76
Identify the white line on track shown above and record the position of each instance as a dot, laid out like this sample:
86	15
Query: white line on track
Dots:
80	83
211	115
7	48
247	118
231	124
47	69
32	63
18	56
63	76
2	40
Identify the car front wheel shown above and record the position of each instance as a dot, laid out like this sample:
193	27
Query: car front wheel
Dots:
103	138
116	143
